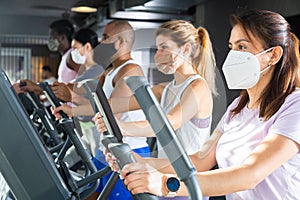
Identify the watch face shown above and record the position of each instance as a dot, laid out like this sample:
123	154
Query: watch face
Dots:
173	184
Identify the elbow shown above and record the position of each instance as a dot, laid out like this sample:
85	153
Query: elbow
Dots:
176	124
255	180
252	183
254	177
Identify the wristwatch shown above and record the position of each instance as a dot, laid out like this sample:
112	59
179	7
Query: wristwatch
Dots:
172	186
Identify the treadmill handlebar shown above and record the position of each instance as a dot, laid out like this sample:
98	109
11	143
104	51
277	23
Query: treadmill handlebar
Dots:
107	139
165	134
124	156
51	97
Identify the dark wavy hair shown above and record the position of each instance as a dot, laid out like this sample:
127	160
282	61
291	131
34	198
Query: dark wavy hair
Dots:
273	30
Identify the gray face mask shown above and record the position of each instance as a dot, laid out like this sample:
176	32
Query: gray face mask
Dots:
103	53
53	44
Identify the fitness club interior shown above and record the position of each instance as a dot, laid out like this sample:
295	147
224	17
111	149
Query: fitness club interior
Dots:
34	143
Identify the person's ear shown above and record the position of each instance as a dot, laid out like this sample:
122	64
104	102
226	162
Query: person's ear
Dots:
276	55
118	43
122	41
88	47
187	48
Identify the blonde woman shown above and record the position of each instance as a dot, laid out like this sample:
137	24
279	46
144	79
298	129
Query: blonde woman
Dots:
186	52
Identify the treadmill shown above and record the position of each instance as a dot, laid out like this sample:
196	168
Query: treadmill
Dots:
26	163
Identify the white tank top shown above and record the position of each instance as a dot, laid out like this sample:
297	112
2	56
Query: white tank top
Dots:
136	115
193	133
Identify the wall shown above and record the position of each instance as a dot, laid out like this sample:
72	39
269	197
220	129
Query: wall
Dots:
24	25
285	7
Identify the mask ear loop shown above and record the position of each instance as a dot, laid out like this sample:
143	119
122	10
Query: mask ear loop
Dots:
174	58
176	55
265	51
270	65
265	69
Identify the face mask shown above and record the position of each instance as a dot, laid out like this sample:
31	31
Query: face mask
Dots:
77	57
166	69
53	44
167	63
242	69
103	53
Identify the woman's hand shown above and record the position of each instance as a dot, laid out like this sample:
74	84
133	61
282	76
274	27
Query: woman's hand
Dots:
141	178
99	123
101	127
65	108
112	161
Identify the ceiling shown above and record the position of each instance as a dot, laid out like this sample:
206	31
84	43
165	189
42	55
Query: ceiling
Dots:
32	16
40	8
146	10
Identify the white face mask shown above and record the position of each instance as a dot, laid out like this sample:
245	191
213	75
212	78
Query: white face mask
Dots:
172	66
77	57
167	69
242	69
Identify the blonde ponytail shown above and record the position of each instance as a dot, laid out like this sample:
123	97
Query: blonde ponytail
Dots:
204	59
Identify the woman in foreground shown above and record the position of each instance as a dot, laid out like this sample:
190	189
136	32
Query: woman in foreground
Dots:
257	142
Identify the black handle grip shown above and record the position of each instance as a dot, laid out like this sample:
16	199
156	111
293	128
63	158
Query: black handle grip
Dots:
51	97
22	84
124	156
108	139
122	152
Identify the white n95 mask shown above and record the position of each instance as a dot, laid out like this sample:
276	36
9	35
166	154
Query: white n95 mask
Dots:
242	69
77	57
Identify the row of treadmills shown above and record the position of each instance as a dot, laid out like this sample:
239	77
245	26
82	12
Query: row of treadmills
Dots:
33	145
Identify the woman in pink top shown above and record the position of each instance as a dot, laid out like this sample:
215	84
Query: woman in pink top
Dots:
257	142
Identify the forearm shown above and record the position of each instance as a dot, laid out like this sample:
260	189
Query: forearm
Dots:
83	110
161	164
123	104
78	90
222	181
137	129
79	100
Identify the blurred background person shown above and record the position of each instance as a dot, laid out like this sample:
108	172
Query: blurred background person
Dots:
61	33
47	75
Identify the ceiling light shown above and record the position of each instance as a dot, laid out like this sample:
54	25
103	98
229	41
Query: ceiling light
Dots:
84	6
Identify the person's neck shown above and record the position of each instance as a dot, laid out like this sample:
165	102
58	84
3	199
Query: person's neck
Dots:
256	92
183	72
121	60
89	63
64	50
